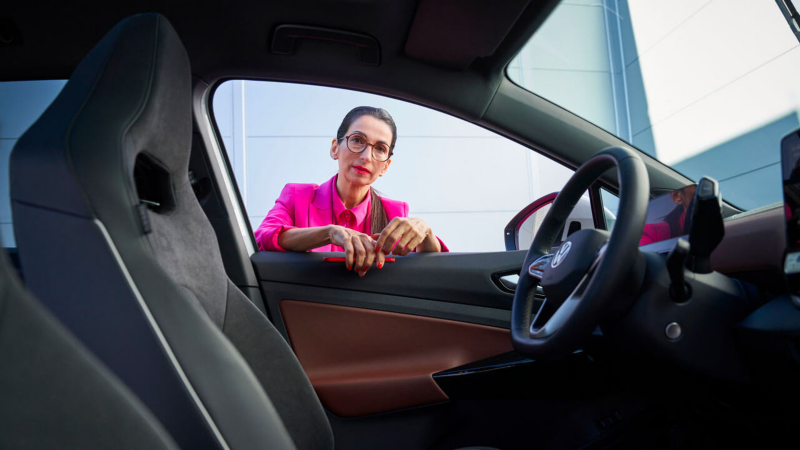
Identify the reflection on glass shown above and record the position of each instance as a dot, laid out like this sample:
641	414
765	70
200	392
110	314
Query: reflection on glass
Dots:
668	215
610	208
528	228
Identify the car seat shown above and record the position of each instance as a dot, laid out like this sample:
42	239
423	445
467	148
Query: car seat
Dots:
55	394
142	285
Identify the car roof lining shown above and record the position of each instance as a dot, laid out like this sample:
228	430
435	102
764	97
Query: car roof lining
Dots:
232	41
472	29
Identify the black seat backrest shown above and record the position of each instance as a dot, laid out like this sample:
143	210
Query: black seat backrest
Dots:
53	392
113	241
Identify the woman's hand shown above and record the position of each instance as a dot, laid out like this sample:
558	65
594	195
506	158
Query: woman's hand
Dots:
405	234
359	248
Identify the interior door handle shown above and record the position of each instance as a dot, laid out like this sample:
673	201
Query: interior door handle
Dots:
509	283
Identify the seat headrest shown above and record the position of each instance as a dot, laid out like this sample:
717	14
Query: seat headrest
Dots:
130	95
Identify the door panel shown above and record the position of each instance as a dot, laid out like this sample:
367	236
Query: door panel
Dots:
416	355
363	361
372	344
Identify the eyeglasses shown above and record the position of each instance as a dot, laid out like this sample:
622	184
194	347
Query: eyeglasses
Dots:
357	143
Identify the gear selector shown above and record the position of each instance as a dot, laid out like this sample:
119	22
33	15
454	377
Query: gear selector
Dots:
706	228
706	231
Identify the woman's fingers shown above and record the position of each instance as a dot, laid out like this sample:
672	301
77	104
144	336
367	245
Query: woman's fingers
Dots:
405	239
349	253
359	249
401	236
342	238
414	233
393	238
413	244
369	246
383	242
380	259
360	254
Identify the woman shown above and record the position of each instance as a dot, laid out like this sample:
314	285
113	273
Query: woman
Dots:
344	213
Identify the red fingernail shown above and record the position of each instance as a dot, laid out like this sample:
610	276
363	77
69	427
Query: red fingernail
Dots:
349	266
380	265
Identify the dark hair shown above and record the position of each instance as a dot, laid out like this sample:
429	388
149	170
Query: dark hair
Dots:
378	113
378	219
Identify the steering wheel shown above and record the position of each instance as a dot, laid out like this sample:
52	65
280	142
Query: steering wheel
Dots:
581	278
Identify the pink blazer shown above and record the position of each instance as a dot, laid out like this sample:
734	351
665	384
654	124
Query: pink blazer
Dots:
657	232
309	205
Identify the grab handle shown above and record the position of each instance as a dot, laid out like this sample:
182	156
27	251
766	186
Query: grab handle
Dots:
369	52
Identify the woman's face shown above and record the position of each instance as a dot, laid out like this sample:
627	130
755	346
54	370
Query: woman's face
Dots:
684	195
360	169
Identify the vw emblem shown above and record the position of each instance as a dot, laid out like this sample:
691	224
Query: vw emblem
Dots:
561	253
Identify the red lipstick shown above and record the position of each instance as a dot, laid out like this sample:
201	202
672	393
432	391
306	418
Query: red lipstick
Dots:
362	170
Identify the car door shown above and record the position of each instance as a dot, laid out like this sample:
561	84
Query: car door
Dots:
423	342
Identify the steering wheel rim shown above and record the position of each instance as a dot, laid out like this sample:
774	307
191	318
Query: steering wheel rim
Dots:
565	327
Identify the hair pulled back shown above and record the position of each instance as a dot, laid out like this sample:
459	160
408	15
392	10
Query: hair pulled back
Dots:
378	219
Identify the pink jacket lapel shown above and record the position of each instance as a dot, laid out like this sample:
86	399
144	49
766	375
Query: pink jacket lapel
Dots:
319	211
313	208
394	208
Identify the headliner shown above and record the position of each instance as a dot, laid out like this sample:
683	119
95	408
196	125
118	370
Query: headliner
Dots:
230	39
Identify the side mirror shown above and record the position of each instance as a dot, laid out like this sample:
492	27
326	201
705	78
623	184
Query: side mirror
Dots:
522	228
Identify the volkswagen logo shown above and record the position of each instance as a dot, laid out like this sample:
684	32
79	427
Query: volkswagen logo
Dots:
561	253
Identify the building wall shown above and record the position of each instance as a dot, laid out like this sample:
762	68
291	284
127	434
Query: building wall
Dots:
707	87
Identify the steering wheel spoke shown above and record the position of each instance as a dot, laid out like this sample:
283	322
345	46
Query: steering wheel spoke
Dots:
555	321
547	322
536	269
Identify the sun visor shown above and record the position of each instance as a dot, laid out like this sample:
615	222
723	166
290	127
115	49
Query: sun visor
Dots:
452	33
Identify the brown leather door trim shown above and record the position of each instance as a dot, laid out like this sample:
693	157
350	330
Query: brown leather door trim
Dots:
363	361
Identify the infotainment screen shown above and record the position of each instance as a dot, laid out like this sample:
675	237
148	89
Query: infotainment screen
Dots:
669	215
790	168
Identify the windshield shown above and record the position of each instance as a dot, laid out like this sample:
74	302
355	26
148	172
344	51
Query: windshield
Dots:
707	87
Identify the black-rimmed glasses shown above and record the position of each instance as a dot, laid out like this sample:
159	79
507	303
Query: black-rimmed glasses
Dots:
357	143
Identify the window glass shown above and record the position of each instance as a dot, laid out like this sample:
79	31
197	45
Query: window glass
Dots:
708	88
610	207
579	219
21	103
467	183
